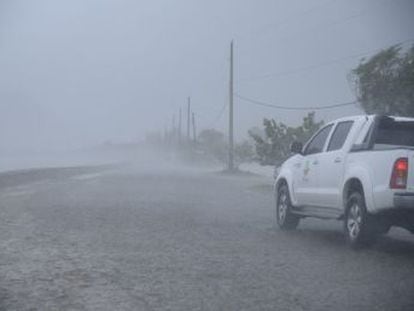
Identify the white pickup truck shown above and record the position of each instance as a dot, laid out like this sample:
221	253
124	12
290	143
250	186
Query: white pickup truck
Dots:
356	169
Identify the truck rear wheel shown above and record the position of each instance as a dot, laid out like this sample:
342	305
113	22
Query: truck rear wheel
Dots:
359	227
285	219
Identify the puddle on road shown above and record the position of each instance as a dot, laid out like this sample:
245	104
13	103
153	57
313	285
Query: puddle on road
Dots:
86	176
263	188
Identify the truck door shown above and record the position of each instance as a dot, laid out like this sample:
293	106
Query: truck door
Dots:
306	180
332	163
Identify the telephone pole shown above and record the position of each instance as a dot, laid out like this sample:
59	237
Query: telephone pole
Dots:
231	137
174	128
179	126
194	129
188	117
165	134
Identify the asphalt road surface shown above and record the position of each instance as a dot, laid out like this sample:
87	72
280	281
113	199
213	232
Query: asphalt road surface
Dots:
169	239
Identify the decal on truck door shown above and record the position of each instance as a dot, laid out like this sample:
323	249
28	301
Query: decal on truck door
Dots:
306	171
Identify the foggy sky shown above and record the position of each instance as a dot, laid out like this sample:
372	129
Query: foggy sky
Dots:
79	72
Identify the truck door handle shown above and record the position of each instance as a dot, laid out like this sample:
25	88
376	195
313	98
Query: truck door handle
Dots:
338	160
315	162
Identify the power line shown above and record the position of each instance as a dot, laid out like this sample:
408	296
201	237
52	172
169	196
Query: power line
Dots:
343	20
318	65
219	116
270	105
303	69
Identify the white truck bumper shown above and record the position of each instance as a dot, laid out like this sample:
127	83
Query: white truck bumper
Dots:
404	200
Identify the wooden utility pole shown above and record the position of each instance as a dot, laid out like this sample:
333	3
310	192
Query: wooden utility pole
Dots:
165	134
231	137
179	126
174	129
188	117
194	129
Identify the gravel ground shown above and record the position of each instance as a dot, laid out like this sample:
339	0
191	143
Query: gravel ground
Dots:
183	240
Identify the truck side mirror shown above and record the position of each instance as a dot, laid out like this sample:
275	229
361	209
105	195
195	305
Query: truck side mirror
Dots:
296	147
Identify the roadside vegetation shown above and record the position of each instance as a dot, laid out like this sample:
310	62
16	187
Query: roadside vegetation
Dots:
383	84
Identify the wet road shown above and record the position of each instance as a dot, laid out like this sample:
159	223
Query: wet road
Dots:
183	240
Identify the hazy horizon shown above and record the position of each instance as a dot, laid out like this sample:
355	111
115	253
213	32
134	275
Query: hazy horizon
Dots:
78	73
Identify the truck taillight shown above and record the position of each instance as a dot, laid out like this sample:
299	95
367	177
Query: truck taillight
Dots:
399	174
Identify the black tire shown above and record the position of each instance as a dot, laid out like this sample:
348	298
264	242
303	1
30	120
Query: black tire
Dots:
359	226
284	217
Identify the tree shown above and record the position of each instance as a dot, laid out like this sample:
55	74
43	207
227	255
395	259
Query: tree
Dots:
212	142
244	152
385	83
273	147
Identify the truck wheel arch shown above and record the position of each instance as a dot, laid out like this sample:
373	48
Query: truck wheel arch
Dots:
355	184
285	180
280	182
358	179
352	185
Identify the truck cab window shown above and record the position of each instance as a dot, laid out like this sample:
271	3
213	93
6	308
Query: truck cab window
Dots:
395	133
318	142
339	135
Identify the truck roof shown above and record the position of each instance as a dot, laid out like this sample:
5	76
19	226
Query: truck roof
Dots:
369	117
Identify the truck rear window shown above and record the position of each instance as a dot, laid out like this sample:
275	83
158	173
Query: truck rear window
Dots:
395	133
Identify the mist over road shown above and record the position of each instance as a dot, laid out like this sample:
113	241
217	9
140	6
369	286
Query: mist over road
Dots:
183	239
